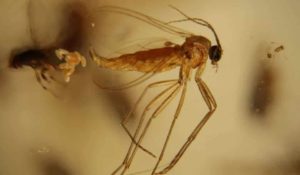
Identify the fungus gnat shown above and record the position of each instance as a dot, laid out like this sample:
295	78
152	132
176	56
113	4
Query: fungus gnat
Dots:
190	55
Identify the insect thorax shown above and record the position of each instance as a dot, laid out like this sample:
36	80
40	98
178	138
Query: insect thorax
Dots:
196	49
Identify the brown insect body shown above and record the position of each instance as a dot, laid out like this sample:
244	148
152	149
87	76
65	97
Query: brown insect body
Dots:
195	49
34	58
43	58
39	60
42	61
192	54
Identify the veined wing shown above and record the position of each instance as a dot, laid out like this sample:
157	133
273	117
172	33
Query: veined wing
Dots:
147	19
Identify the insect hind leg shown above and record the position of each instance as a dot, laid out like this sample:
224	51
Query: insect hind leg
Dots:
39	77
212	105
157	111
125	120
179	107
128	158
45	74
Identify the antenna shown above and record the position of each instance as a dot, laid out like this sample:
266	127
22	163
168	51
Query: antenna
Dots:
198	21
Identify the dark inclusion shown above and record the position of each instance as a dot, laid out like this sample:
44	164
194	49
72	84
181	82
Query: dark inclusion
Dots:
42	59
35	58
263	91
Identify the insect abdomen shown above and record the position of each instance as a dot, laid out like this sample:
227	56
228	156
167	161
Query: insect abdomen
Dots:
154	60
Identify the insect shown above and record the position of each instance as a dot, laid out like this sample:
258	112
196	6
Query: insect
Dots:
191	54
42	57
41	61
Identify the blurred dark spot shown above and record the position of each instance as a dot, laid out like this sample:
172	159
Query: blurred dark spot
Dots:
269	55
263	90
262	95
120	101
295	166
75	32
53	167
291	163
279	48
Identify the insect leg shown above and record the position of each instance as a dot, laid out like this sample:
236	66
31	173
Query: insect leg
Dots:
146	109
39	79
158	110
67	69
212	105
45	75
69	73
125	120
179	107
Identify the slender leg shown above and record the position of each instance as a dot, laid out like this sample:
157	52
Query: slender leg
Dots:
39	79
69	73
125	120
46	75
180	104
147	108
159	109
50	68
43	74
211	103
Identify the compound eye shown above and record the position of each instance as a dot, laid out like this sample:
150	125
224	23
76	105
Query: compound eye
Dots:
215	53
